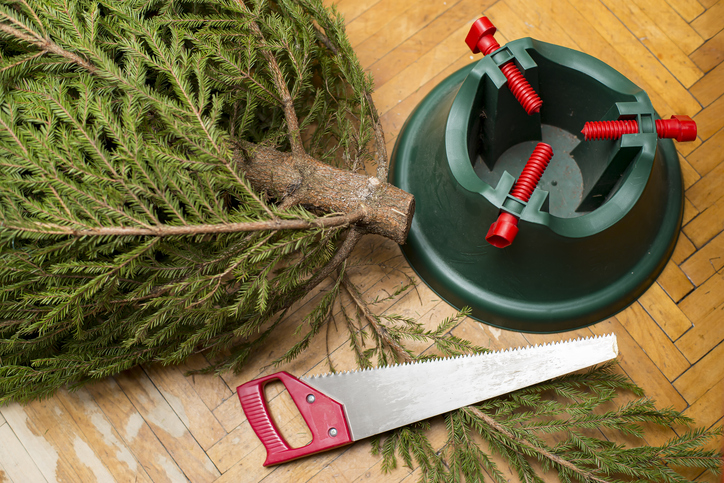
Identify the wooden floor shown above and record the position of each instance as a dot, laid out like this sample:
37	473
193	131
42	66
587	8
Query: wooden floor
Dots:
155	424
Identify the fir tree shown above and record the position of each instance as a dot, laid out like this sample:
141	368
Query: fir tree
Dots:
175	174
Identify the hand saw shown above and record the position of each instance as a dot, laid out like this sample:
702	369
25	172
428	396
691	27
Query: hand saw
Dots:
345	407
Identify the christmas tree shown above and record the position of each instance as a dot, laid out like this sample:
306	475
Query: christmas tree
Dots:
175	175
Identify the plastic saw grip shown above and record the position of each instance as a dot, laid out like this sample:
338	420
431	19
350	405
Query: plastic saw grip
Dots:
322	415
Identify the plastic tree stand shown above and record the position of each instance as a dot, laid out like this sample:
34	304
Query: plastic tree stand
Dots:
595	233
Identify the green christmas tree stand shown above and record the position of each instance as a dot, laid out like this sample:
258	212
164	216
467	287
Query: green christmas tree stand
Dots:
596	232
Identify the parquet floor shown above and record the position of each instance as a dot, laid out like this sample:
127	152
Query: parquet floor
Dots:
155	424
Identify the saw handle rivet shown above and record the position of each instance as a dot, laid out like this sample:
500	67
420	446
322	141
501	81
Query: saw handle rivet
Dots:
333	432
310	398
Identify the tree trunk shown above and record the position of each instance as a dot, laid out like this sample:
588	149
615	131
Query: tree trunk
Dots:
304	180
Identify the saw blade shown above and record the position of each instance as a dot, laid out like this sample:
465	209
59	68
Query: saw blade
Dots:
381	399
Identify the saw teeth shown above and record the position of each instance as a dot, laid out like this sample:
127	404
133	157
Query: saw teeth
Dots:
480	354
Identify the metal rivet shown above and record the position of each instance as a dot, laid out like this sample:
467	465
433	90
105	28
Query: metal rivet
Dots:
333	432
310	398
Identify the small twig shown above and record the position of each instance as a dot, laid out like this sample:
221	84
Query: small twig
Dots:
345	249
290	114
325	40
369	316
382	164
289	201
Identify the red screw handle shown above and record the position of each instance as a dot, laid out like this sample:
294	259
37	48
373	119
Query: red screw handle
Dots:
681	128
503	231
480	39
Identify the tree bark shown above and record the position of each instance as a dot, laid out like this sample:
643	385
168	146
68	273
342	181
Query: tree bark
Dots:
301	179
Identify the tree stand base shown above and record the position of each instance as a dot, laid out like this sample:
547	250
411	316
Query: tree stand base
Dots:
596	232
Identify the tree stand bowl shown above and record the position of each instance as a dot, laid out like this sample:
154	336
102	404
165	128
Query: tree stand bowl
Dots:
596	232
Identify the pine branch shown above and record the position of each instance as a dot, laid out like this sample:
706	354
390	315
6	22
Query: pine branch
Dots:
512	432
386	340
166	230
555	459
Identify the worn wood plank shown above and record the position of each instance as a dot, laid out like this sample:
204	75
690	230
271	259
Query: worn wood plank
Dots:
167	426
212	389
707	191
229	413
657	41
250	468
639	367
640	59
63	434
672	24
665	312
4	477
706	160
690	212
705	299
683	250
710	119
488	336
537	22
416	75
49	459
394	118
688	173
378	274
707	224
710	87
653	340
15	461
351	9
688	9
704	336
685	148
399	28
186	403
591	42
135	432
710	22
373	19
102	437
702	376
674	282
708	409
710	54
415	47
705	262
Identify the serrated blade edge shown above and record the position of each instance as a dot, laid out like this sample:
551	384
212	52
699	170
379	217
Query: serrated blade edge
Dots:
378	400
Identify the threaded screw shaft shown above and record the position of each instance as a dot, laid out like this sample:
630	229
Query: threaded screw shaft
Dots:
503	231
681	128
480	39
533	171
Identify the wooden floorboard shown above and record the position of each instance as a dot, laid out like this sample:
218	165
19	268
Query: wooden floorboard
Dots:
156	424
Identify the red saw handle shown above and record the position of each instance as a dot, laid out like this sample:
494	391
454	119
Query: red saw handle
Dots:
324	417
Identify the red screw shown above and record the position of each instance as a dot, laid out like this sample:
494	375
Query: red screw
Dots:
681	128
480	39
503	230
